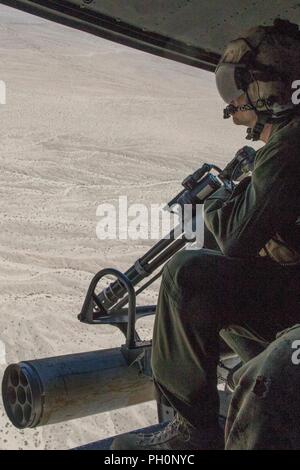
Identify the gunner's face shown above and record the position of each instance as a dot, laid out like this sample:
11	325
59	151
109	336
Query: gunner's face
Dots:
243	118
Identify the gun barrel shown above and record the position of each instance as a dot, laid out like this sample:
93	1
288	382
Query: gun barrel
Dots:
62	388
153	259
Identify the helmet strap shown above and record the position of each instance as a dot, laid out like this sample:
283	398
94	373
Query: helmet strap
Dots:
255	132
262	118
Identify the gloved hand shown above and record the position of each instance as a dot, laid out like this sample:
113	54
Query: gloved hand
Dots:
222	195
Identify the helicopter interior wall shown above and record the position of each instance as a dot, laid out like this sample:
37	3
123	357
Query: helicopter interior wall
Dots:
184	30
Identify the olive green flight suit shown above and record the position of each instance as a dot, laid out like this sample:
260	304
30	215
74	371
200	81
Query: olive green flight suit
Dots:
265	409
206	291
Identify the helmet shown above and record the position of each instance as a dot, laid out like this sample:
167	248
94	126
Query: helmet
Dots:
262	63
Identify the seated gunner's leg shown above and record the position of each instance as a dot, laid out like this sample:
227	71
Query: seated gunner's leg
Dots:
202	292
185	350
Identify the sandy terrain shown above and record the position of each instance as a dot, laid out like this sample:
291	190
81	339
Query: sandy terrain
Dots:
86	120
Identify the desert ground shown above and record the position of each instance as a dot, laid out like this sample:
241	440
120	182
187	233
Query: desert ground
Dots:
85	121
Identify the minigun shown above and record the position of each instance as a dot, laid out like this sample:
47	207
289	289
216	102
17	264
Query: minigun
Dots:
55	389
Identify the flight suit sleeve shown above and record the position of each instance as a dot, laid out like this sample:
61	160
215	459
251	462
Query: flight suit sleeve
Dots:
242	222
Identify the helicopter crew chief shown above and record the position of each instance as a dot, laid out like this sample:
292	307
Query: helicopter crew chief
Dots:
250	286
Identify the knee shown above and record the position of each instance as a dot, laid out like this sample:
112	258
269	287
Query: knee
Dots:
176	264
190	270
